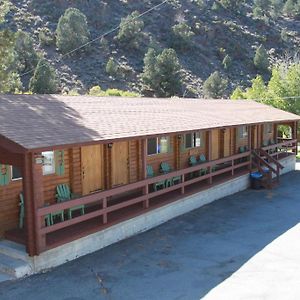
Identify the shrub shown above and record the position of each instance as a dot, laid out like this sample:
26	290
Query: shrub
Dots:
111	67
96	91
214	86
46	37
227	62
131	30
182	35
44	79
162	73
261	59
26	55
72	30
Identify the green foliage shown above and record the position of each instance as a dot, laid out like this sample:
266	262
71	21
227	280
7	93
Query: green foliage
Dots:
261	59
131	30
44	79
112	67
237	94
162	73
214	86
72	30
232	4
227	62
26	54
97	91
181	35
46	37
282	90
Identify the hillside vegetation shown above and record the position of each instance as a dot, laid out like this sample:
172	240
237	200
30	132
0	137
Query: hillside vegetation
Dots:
189	48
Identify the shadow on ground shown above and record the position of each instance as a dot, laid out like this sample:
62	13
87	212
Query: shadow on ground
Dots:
182	259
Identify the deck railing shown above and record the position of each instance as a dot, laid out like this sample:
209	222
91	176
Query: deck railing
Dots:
106	206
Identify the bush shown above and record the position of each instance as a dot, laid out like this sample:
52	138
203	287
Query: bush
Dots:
227	62
26	55
46	37
44	79
162	73
182	35
111	67
72	30
97	91
214	86
261	59
131	30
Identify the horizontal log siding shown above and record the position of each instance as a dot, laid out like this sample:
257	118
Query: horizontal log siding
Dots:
157	159
9	206
133	161
186	153
75	170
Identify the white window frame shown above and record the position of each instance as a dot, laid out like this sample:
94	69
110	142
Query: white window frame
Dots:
194	135
243	132
158	148
11	175
50	170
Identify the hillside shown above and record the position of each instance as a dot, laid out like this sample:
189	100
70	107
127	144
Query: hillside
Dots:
217	32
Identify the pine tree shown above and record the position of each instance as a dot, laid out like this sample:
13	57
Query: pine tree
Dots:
111	67
72	30
261	59
214	86
43	80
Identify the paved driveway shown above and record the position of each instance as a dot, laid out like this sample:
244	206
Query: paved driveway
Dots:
187	257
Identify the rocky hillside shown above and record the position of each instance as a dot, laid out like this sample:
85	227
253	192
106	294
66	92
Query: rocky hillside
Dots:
217	32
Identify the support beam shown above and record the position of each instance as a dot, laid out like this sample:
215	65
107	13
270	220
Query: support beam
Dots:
144	171
210	153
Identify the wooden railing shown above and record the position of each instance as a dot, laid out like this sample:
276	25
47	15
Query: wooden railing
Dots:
106	206
285	146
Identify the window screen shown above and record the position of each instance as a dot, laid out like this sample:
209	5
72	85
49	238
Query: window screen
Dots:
152	146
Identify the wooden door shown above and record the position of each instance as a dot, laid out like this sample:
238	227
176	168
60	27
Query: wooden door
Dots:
226	142
120	163
254	137
92	169
215	144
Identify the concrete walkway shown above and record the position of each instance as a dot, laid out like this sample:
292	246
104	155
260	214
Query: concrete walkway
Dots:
245	246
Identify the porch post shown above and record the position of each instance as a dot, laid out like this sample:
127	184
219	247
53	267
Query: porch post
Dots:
294	136
210	153
250	145
144	171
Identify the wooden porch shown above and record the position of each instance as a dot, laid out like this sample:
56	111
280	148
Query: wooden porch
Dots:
109	207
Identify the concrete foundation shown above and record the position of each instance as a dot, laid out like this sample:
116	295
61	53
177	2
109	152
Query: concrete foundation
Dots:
126	229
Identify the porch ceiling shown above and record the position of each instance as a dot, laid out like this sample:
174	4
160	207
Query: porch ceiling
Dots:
43	121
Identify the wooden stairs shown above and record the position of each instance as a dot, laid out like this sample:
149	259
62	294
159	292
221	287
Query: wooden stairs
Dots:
268	166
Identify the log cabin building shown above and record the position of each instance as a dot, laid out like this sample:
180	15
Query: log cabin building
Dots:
109	152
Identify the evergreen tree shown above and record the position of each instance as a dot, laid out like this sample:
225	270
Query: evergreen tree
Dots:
72	30
214	86
227	62
44	79
289	8
111	67
162	73
261	59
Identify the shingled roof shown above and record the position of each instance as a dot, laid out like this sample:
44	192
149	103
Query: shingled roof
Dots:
41	121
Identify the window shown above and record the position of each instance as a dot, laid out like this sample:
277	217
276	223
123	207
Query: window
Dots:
49	163
15	173
158	145
193	140
243	132
268	128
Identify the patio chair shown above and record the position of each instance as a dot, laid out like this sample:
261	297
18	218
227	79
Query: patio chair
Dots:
64	194
193	162
202	159
156	185
48	218
166	168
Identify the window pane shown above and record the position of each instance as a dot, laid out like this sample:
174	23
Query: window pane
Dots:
164	145
188	140
152	146
197	139
49	163
15	173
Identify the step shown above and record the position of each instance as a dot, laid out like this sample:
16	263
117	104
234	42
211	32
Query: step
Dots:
13	250
14	267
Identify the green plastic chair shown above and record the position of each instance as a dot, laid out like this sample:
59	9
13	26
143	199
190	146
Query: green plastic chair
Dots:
193	162
64	194
166	168
202	159
48	218
156	185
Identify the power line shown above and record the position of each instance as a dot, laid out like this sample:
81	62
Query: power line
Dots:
105	34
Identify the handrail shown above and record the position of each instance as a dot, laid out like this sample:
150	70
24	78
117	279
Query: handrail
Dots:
276	162
264	162
278	145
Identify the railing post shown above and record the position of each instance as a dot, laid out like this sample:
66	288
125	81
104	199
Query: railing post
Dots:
183	187
144	172
232	167
104	207
146	192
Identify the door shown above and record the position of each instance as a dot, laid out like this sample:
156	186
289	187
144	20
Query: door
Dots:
215	144
120	163
92	169
226	142
254	137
